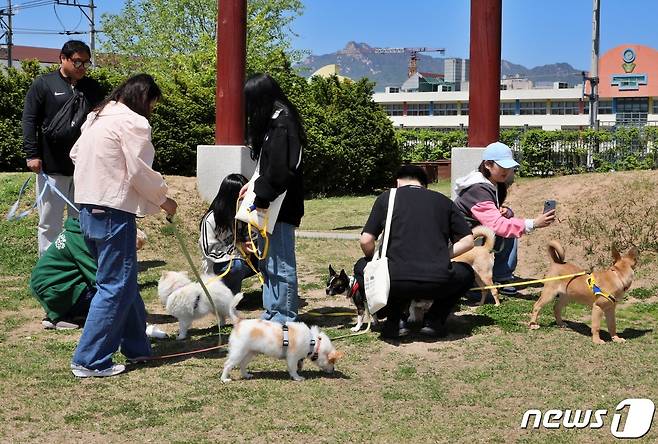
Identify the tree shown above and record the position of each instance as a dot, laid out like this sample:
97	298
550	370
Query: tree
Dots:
351	142
161	35
174	40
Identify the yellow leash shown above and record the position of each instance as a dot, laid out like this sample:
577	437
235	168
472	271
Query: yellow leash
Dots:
535	281
186	253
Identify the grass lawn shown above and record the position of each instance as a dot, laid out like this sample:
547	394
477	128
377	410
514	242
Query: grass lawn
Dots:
473	386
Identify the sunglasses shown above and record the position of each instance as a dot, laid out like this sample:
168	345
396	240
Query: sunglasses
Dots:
81	63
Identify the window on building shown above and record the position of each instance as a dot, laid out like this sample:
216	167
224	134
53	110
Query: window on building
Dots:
566	107
507	108
464	109
655	105
605	107
418	109
445	109
393	109
633	105
528	108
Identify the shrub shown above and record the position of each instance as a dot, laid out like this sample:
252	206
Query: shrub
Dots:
351	142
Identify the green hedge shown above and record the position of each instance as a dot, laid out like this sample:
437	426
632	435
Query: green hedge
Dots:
352	144
543	153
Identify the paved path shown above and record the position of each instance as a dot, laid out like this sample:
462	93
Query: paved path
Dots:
328	235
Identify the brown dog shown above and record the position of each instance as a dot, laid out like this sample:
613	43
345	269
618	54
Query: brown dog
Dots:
613	282
481	259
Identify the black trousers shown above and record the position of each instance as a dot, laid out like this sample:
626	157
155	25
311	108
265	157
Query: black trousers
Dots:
444	294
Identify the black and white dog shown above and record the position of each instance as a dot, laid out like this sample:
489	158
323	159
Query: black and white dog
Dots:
339	283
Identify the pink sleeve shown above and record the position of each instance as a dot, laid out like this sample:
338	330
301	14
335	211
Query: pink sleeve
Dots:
487	214
139	152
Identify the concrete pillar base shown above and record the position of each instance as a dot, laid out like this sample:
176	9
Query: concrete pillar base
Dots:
464	160
215	162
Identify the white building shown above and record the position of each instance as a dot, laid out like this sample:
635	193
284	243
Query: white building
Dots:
457	71
628	94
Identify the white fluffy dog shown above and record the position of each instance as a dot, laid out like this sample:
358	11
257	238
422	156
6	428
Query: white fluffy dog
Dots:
255	336
186	301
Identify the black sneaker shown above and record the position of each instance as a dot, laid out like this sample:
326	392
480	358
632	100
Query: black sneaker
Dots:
394	330
509	289
434	329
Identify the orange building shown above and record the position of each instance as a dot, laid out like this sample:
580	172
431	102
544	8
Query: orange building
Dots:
628	77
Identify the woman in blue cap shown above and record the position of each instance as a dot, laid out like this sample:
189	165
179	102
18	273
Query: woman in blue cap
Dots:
480	197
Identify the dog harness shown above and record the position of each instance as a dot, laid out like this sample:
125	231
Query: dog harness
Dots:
313	352
591	283
284	327
354	288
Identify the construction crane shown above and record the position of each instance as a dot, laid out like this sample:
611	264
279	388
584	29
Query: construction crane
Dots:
413	59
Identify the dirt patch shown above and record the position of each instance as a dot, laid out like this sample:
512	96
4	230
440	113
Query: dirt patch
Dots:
527	197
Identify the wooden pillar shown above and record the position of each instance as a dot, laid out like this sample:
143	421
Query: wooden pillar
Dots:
484	75
231	56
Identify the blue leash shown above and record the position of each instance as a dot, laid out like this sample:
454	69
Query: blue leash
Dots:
11	215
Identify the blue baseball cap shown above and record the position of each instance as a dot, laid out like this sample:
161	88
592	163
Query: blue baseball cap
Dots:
501	154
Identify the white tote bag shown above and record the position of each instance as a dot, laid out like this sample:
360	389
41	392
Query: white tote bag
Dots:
377	281
261	217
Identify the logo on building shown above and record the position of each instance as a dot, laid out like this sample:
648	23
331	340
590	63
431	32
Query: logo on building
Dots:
629	57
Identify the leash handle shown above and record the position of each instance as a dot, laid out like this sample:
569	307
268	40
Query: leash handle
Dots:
59	193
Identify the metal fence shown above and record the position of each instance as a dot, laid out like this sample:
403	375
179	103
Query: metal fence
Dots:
557	152
622	149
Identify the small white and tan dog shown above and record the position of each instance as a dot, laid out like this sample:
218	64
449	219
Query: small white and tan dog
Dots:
186	301
256	336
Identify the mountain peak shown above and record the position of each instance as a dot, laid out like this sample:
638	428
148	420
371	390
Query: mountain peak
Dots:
358	59
353	46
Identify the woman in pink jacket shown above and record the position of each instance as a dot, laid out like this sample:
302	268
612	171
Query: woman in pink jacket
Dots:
114	181
480	197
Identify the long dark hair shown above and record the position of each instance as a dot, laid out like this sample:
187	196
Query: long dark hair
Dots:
501	186
261	92
137	93
223	206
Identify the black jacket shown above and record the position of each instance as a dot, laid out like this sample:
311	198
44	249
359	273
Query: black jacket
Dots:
44	99
281	167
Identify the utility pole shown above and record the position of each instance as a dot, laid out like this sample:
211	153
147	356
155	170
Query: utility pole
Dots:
594	68
92	31
9	31
90	18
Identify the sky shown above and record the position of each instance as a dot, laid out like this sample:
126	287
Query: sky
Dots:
535	32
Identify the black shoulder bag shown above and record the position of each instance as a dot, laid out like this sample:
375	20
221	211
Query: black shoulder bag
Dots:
68	120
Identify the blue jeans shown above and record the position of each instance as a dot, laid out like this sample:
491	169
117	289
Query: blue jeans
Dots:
505	259
279	268
239	272
117	317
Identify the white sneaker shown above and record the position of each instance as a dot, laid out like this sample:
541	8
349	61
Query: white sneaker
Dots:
83	372
65	325
152	331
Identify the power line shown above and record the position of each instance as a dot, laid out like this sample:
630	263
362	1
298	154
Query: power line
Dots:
33	4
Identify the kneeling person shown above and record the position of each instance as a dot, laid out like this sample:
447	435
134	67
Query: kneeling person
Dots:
64	280
427	230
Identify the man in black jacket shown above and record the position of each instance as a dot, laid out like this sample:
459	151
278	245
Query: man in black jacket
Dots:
47	95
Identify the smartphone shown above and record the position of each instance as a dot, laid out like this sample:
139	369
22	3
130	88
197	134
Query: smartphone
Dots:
549	205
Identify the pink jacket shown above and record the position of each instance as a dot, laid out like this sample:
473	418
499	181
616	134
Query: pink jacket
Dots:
113	159
489	215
